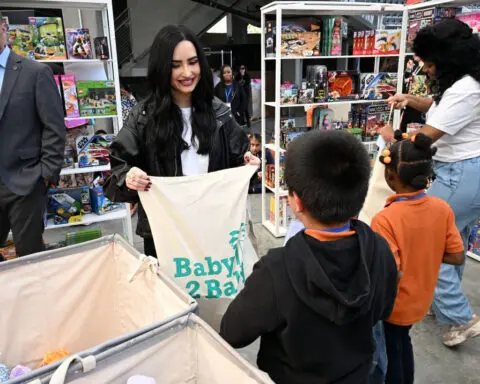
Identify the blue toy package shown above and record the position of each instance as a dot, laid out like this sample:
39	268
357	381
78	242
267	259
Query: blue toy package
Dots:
100	203
93	151
68	204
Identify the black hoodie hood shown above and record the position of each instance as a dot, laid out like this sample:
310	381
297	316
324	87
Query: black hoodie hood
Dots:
336	279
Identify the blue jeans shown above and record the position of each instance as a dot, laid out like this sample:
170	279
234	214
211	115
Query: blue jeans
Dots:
459	185
379	363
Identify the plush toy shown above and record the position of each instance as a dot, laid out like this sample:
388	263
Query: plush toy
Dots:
19	370
53	356
4	374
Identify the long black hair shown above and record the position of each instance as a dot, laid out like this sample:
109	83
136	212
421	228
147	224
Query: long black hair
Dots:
453	48
163	133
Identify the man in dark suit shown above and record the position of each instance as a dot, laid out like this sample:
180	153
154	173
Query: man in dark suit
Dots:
32	141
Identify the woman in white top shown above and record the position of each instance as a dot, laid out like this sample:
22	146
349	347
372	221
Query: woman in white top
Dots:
179	130
451	54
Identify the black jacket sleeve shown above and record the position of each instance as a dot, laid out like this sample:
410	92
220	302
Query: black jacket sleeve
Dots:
220	92
50	112
253	312
124	155
238	143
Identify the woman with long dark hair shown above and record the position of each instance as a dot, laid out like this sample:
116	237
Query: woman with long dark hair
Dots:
451	53
179	130
245	81
231	93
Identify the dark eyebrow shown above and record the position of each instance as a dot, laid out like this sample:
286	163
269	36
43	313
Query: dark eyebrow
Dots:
191	58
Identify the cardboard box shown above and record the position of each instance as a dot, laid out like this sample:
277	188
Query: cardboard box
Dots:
100	203
70	96
337	36
97	98
20	39
48	38
92	151
101	48
387	42
377	86
67	205
79	45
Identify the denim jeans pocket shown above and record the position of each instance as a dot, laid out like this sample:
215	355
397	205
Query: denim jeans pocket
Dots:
449	174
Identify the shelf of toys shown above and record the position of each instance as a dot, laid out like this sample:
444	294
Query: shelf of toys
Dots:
83	57
334	93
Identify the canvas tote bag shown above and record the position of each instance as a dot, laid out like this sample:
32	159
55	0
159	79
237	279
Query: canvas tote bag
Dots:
199	227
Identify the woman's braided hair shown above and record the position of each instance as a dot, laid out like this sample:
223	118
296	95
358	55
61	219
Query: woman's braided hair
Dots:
411	159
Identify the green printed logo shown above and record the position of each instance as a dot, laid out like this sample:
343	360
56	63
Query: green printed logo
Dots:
230	268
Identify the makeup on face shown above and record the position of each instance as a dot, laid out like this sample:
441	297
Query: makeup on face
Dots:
185	68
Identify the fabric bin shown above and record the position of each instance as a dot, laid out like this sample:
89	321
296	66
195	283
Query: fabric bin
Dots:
187	350
85	299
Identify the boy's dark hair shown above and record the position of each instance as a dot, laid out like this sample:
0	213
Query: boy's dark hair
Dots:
411	159
329	171
255	136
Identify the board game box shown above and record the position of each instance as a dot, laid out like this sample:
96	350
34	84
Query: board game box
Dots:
78	43
48	38
20	39
301	39
97	98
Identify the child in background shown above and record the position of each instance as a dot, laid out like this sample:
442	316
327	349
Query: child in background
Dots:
315	301
256	150
410	219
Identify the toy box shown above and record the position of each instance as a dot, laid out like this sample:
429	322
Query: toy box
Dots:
369	43
78	43
48	38
288	94
8	251
306	96
472	20
342	85
337	36
92	151
69	204
301	39
100	203
97	98
474	242
377	86
20	40
70	96
101	48
284	216
387	42
424	17
317	77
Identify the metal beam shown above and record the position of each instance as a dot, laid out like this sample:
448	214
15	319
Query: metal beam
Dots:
227	9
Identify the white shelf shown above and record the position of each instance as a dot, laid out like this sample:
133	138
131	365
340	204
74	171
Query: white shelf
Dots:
473	256
281	191
91	218
90	117
273	147
271	228
86	61
330	57
76	170
272	103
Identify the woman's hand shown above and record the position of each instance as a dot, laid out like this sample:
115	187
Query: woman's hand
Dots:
138	180
398	101
387	133
251	159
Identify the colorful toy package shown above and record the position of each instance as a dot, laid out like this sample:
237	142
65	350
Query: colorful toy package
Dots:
97	98
387	42
100	203
336	45
48	38
301	38
472	20
67	205
101	48
377	86
78	43
474	243
20	40
70	96
92	151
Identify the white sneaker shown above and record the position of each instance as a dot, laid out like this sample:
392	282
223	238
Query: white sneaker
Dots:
458	334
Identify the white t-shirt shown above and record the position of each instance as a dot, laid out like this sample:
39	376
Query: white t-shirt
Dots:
192	162
458	115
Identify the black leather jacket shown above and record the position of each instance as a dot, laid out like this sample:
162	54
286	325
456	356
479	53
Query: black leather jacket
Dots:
238	102
128	150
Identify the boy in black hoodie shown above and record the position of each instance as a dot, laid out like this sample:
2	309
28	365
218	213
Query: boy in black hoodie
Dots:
314	302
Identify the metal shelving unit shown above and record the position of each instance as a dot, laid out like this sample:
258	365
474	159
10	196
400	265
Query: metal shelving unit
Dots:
311	8
104	12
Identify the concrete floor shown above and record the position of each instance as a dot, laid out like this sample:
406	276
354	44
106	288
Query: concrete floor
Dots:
435	364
